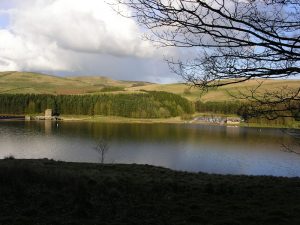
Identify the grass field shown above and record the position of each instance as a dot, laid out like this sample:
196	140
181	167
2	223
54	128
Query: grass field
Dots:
48	192
172	120
22	82
222	93
118	119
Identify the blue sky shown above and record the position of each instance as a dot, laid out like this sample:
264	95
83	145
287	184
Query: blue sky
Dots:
4	21
4	17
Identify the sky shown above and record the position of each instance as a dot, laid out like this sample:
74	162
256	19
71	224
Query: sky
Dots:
82	37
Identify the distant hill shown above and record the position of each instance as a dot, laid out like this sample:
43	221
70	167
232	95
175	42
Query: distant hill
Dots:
35	83
25	82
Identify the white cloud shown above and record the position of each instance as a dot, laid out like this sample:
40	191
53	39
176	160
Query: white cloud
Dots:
20	54
59	35
81	25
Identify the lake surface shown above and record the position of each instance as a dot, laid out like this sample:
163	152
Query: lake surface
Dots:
188	147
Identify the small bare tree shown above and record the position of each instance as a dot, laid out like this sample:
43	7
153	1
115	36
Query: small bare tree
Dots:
102	148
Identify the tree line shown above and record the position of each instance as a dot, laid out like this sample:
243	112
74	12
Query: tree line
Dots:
248	111
226	107
150	104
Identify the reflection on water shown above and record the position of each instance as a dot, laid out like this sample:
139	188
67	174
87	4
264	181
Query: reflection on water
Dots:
213	149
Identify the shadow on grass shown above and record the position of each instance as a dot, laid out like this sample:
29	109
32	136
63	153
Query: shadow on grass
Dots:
49	192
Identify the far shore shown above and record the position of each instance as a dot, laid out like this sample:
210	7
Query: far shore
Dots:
171	120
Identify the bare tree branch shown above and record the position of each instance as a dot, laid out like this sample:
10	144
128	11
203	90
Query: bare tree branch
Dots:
237	40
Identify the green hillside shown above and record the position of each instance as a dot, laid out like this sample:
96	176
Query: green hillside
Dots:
34	83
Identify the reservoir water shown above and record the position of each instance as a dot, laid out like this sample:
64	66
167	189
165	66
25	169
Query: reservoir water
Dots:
186	147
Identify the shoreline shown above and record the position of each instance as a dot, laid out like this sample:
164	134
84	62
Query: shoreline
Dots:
50	192
172	120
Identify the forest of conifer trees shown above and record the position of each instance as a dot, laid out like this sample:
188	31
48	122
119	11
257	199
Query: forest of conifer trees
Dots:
147	104
139	105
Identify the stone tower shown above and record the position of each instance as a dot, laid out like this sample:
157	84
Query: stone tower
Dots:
48	114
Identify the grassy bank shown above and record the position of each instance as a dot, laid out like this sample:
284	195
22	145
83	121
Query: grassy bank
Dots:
118	119
295	125
172	120
49	192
